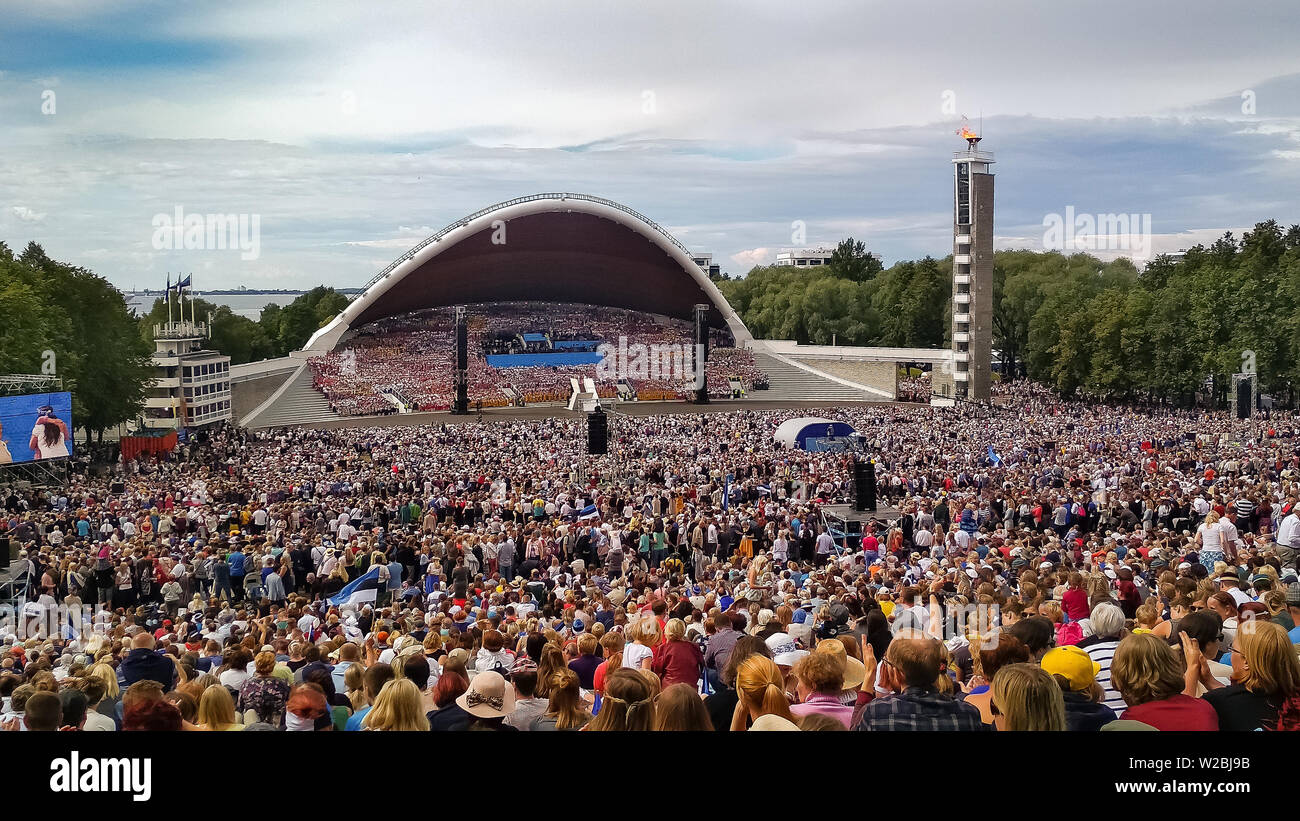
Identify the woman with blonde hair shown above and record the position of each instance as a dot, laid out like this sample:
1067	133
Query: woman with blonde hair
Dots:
112	693
1025	697
354	678
217	710
677	660
1209	541
399	707
645	636
1265	689
565	709
627	704
761	690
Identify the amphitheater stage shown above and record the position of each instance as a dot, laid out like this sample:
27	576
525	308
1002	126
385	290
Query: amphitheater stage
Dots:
510	414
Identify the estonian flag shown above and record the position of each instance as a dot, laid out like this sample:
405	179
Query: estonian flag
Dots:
364	589
588	512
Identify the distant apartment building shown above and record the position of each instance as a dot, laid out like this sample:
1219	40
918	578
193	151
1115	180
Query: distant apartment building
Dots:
705	261
809	257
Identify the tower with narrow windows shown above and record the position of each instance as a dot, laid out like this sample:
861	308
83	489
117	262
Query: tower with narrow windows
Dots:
972	269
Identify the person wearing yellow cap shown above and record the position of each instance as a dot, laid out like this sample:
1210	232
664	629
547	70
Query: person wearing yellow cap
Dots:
1076	674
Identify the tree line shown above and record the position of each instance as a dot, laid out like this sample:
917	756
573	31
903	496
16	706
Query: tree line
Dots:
66	321
63	320
1072	322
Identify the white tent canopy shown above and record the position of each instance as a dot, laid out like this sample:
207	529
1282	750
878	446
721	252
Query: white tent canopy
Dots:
793	433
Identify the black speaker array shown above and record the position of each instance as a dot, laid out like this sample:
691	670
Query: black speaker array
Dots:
1243	399
702	347
597	433
460	402
5	547
864	485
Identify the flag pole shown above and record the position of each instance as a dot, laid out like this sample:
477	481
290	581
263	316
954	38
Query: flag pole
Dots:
169	298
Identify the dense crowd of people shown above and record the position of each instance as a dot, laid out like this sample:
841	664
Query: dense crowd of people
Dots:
411	358
916	388
1045	565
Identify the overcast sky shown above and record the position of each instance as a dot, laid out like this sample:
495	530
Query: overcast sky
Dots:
353	129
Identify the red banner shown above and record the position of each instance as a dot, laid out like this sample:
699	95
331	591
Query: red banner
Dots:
135	446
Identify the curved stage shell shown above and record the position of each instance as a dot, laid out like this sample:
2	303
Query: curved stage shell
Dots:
544	247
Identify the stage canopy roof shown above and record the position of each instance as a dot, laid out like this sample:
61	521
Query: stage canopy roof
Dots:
795	433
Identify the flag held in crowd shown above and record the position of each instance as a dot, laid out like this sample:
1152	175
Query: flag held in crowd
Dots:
364	588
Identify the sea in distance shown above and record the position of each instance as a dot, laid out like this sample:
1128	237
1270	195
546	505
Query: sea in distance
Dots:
249	304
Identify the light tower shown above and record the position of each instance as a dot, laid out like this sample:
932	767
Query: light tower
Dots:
972	269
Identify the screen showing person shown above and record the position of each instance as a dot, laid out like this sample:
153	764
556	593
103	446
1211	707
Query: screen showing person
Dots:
36	427
49	435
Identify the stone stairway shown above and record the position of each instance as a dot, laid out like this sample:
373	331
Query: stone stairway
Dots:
300	404
788	383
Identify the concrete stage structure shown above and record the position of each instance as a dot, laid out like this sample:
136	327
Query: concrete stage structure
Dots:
564	247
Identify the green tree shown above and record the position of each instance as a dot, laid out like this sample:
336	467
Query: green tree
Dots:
913	301
297	321
851	261
83	320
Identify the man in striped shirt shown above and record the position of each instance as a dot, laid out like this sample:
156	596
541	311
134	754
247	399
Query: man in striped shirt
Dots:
1107	628
1243	508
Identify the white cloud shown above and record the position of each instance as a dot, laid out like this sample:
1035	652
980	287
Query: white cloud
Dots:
26	214
754	256
450	109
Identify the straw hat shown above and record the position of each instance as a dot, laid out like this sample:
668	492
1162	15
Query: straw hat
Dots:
854	670
489	696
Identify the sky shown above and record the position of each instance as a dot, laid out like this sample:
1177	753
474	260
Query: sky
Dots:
346	132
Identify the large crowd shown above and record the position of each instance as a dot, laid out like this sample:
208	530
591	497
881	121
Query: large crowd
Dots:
1045	565
411	358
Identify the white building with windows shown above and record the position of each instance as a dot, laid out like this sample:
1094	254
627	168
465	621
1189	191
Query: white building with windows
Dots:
705	261
805	257
810	257
192	385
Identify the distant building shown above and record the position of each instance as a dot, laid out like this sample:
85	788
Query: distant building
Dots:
809	257
805	257
192	385
705	261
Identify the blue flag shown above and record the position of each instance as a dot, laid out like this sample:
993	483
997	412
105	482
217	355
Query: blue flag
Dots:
993	457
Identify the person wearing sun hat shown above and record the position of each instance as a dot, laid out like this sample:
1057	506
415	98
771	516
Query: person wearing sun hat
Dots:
854	670
489	699
784	651
1076	674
